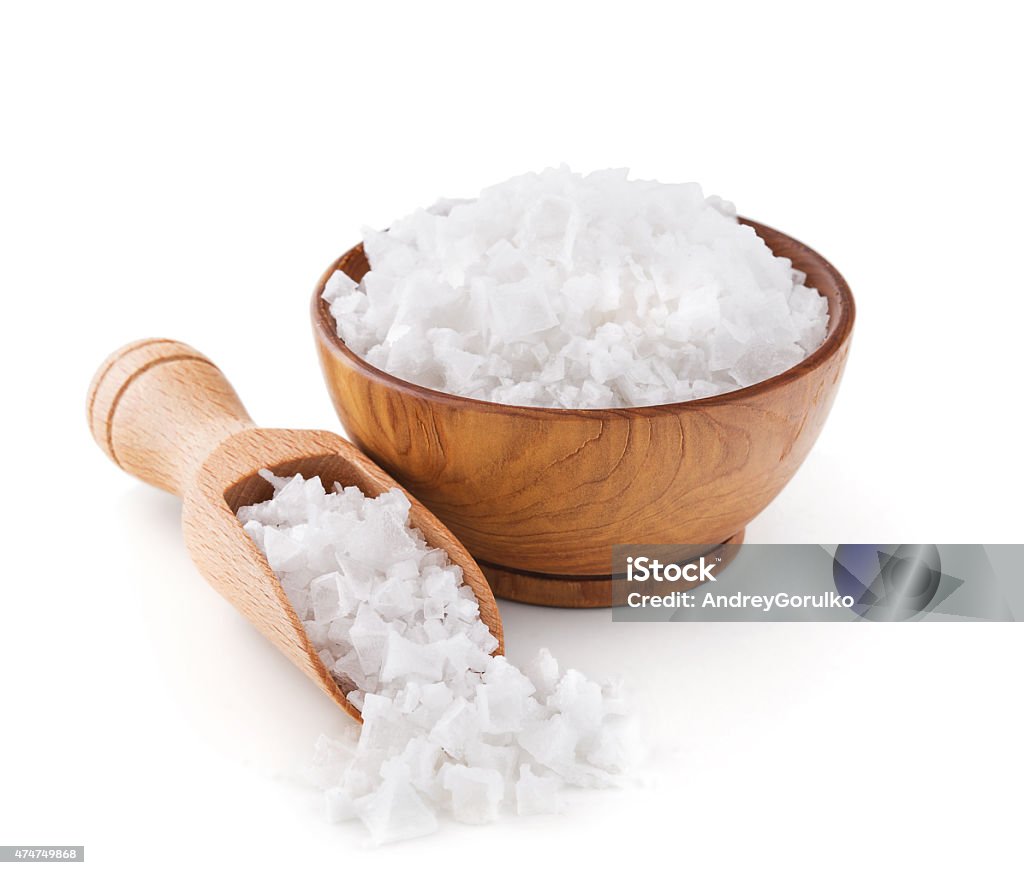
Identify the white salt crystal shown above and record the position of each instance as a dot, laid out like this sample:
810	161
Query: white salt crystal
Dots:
369	635
331	757
283	553
407	699
761	361
524	295
519	310
435	630
405	659
393	598
300	600
382	723
614	697
502	700
447	726
325	598
433	609
481	636
407	569
423	759
476	793
349	670
579	699
339	284
317	634
501	758
543	672
461	653
552	742
456	727
435	698
395	811
433	558
616	748
339	632
339	805
537	794
353	588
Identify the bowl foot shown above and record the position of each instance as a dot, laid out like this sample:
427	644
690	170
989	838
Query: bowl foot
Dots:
554	591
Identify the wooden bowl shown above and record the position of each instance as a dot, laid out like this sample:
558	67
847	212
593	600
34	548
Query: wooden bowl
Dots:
539	496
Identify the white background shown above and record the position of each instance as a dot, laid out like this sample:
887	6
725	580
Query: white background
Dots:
190	171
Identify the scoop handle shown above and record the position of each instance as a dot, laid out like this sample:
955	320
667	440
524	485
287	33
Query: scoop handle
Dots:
158	408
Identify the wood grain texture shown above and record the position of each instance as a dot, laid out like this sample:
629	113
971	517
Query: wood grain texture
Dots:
548	492
164	412
172	406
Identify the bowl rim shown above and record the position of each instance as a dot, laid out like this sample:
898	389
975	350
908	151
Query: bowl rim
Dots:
838	332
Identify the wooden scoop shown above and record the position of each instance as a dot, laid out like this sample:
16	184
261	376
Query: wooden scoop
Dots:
166	414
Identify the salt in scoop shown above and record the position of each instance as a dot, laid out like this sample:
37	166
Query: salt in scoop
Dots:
165	413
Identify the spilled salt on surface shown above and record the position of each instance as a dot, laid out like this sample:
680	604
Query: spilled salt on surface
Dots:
448	727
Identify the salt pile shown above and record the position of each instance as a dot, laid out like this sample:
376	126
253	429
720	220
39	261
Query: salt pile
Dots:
561	290
447	726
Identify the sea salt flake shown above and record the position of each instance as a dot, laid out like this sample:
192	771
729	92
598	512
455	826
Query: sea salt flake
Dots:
446	723
339	805
396	812
456	727
404	659
551	742
476	793
537	794
579	699
325	598
543	672
331	757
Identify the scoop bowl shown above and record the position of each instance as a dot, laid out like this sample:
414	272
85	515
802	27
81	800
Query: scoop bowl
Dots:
165	413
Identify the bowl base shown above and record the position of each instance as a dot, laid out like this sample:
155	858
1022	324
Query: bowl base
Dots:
553	591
